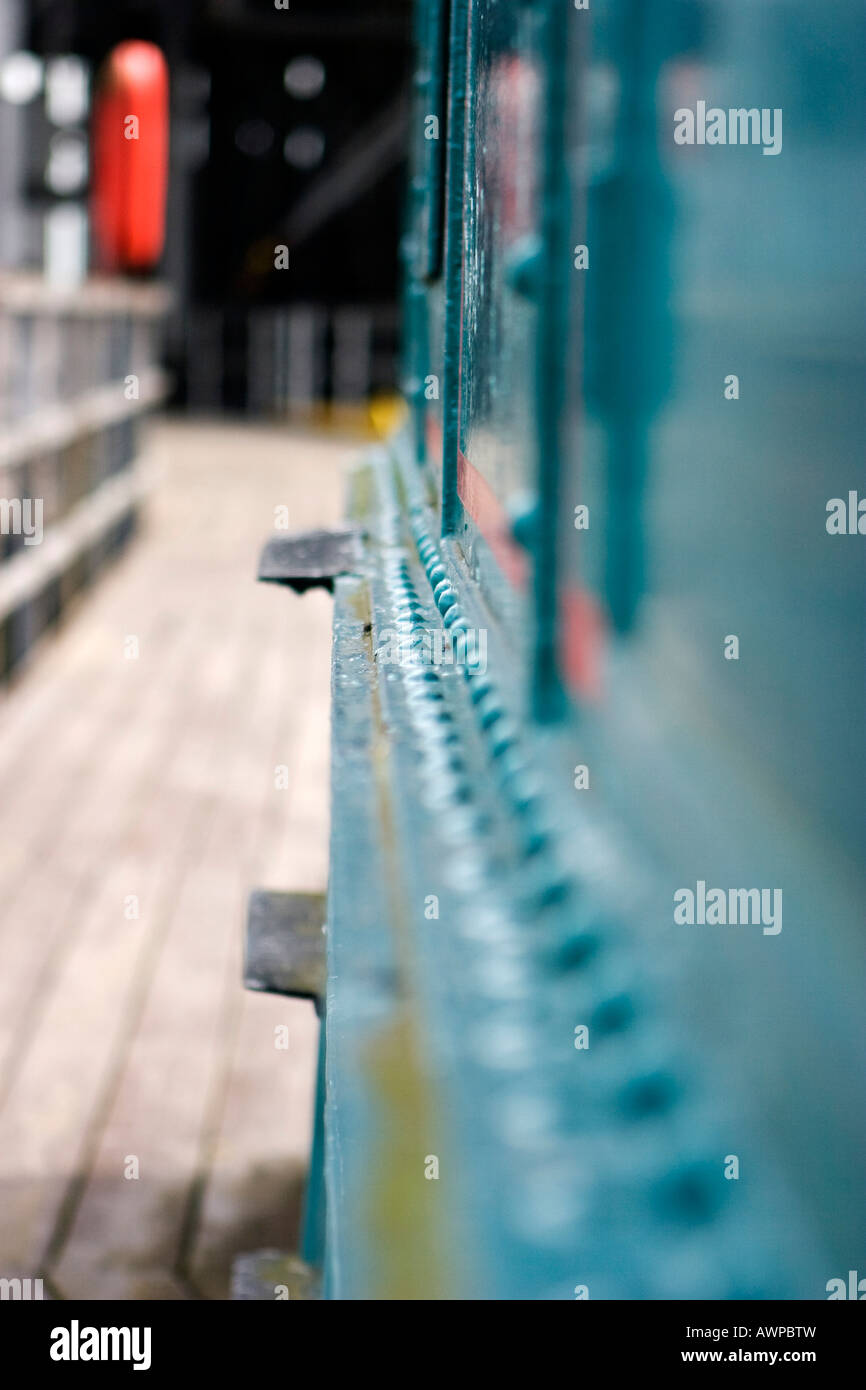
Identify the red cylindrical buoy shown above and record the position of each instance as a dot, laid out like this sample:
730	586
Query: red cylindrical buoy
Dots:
129	152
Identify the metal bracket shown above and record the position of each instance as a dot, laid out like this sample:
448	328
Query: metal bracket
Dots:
311	558
265	1275
285	945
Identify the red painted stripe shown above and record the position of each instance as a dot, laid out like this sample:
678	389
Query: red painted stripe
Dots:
485	509
581	643
581	622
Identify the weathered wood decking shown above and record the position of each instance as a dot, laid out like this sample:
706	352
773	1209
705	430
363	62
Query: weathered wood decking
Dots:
147	785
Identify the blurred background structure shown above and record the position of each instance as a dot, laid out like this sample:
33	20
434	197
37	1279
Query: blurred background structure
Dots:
280	135
282	131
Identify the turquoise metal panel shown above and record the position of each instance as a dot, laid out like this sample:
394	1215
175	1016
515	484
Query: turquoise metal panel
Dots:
452	434
708	522
544	380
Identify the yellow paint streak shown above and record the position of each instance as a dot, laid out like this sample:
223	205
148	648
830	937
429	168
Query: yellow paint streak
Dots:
405	1211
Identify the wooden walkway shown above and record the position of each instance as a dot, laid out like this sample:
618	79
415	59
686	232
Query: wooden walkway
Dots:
150	1128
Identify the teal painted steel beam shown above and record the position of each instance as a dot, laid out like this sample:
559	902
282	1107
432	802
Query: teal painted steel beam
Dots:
314	1220
454	213
551	359
452	1033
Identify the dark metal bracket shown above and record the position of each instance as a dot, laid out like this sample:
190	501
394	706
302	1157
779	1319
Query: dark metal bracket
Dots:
311	559
285	944
266	1275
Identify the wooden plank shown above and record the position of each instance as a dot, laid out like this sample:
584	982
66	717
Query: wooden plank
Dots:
156	778
125	1230
108	782
58	1090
